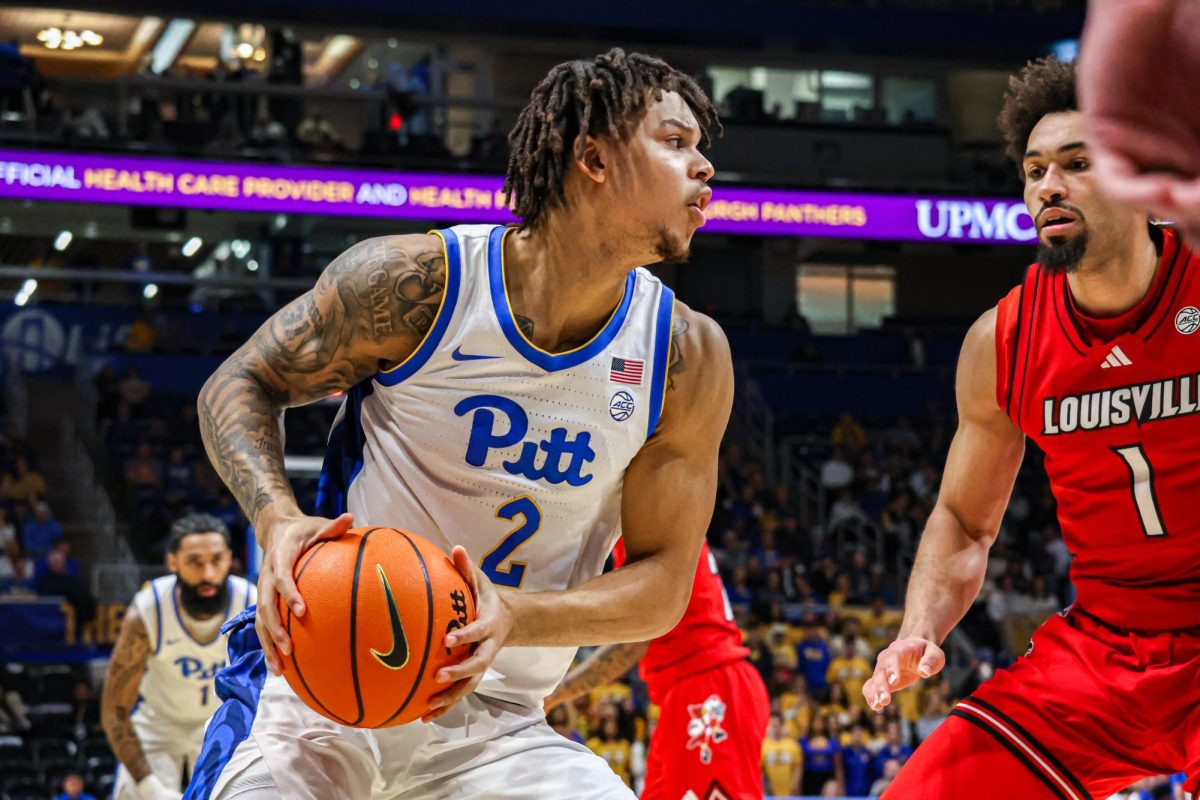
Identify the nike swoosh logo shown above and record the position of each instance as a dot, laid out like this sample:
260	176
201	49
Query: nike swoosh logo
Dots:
398	657
459	355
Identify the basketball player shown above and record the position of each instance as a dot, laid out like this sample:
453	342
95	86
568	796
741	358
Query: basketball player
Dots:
714	706
1094	357
1139	67
159	689
508	399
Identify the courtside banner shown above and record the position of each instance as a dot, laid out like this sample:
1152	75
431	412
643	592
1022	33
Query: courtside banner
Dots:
275	189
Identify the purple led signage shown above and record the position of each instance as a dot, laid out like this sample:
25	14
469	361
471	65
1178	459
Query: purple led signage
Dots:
274	189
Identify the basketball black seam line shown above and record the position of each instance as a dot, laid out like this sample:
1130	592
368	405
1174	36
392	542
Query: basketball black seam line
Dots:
295	663
429	626
1016	751
362	548
1034	742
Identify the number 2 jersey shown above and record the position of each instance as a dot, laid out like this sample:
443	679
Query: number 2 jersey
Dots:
1113	404
481	439
177	690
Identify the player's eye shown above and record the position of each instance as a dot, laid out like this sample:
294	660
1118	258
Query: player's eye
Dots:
1034	173
676	142
1079	163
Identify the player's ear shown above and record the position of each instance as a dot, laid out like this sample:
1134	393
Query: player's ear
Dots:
591	161
173	563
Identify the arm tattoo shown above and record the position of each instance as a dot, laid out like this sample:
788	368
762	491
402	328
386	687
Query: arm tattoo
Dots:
676	364
602	667
371	308
120	694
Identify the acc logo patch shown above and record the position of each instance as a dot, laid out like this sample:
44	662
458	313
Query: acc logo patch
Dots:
1187	320
704	726
621	406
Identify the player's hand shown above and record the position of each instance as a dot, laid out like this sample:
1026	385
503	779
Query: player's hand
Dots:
902	664
1137	72
491	627
285	540
151	788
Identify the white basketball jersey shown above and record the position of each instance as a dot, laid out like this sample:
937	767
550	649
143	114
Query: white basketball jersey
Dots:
177	689
481	439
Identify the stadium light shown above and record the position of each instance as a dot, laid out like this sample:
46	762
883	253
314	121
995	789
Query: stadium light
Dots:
252	265
192	246
27	290
150	291
63	240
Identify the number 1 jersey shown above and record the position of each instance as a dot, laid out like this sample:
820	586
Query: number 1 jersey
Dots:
1113	404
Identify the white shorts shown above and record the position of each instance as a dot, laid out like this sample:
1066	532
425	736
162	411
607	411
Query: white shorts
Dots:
171	754
481	748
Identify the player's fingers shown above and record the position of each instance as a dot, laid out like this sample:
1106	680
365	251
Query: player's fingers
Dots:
285	585
336	528
462	562
476	631
270	654
473	665
268	614
440	703
932	662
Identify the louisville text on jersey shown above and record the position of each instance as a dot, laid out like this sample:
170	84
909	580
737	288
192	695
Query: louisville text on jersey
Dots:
1108	408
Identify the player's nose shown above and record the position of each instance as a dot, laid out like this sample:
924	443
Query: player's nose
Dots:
1052	187
702	168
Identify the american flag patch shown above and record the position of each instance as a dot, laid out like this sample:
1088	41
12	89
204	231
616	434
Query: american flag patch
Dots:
626	370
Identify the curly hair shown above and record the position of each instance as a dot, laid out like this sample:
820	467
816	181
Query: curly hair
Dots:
603	96
1044	86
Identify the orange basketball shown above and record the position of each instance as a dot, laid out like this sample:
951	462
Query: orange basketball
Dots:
379	604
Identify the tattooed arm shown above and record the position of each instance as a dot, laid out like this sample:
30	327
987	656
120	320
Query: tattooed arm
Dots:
125	673
369	310
602	667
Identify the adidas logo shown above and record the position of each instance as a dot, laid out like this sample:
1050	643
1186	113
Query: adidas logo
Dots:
1116	358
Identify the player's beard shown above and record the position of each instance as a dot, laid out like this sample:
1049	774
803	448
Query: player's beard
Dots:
671	249
1062	255
199	606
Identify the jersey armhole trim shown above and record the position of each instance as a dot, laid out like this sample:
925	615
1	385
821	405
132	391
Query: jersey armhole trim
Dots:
663	345
433	337
158	618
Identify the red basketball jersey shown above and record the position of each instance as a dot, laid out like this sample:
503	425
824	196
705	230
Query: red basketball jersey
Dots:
1112	403
705	637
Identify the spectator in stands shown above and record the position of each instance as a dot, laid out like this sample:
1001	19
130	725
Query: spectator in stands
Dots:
8	531
814	657
144	471
858	763
85	710
561	719
42	565
760	654
72	789
16	570
613	748
317	133
822	758
58	582
781	756
179	476
894	750
836	472
849	434
14	714
891	768
783	654
41	531
143	333
22	484
850	671
133	390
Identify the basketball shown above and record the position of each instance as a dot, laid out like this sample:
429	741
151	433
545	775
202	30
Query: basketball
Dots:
379	602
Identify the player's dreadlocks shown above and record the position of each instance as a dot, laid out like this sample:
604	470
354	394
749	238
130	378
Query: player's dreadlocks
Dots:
1045	86
598	97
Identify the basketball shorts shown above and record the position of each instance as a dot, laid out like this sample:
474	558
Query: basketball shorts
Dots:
171	753
264	743
708	743
1088	711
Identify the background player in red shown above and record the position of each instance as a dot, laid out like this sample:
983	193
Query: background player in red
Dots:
714	706
1095	358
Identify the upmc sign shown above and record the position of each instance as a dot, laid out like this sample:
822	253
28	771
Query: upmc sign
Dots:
447	198
974	219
